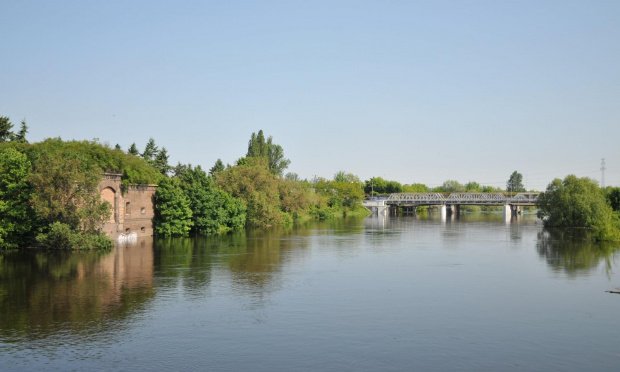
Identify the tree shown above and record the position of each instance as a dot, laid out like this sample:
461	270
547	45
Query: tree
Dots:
415	187
15	214
213	210
258	147
472	186
66	191
21	135
514	183
118	147
258	188
133	150
451	186
173	215
161	162
217	167
150	151
577	202
277	162
5	129
292	176
613	197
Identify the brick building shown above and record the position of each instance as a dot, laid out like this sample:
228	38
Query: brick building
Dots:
133	212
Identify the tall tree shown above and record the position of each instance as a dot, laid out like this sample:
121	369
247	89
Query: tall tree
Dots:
277	162
5	129
514	183
133	150
258	147
150	151
161	162
217	167
20	136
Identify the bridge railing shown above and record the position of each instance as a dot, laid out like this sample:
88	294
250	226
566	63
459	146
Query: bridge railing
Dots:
495	198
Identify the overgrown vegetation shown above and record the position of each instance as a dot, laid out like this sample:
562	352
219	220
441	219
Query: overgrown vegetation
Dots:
49	190
579	202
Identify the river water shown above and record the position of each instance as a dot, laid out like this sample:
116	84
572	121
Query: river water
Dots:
369	294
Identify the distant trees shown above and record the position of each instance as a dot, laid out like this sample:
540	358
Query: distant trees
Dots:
577	202
451	186
6	133
381	186
514	183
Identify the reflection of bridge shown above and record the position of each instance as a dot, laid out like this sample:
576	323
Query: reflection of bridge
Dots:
449	203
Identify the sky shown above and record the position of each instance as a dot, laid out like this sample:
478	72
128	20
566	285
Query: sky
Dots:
412	91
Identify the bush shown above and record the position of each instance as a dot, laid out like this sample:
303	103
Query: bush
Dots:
60	236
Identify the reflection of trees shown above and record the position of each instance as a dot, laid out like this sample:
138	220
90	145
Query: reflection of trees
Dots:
253	257
42	293
572	251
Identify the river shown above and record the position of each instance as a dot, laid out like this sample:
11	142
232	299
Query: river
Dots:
365	294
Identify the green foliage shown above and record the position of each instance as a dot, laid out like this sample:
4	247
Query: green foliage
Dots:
150	151
258	147
415	187
296	197
21	135
613	197
161	162
133	150
252	182
66	190
217	167
450	186
514	183
16	216
5	129
473	186
60	236
213	210
381	186
577	202
173	215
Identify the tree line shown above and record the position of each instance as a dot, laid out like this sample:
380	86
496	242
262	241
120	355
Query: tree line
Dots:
251	193
49	192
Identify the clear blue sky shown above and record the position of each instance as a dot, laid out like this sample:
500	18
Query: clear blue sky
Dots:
414	91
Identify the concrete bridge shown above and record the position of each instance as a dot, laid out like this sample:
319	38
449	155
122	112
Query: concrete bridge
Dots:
450	202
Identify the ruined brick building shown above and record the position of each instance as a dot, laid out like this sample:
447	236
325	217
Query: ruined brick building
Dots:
133	210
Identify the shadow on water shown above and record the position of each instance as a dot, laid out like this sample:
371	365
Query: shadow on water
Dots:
44	293
574	252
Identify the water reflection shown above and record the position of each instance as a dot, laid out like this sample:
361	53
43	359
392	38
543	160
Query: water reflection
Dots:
42	293
573	252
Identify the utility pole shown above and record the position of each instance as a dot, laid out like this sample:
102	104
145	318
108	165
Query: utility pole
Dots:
603	172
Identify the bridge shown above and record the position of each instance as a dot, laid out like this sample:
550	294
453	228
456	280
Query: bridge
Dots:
450	202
